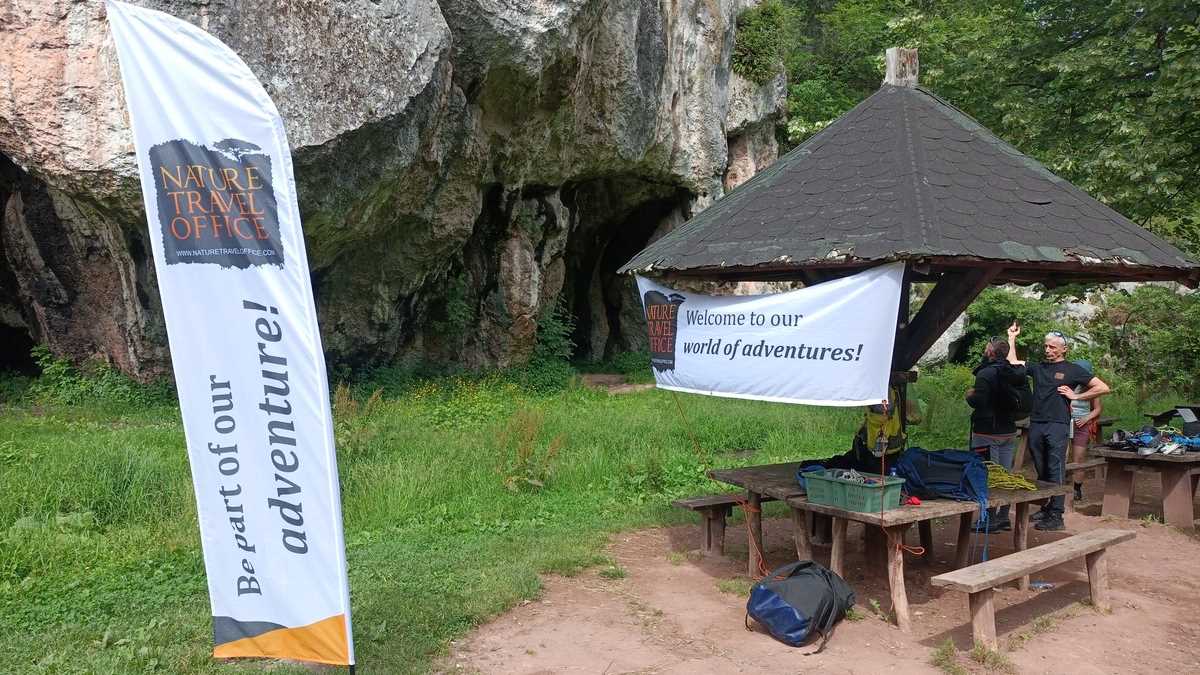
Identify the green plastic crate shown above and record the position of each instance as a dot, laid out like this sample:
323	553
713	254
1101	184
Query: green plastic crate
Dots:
823	488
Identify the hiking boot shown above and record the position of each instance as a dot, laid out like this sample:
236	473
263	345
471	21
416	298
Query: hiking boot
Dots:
992	526
1038	517
1079	492
1048	524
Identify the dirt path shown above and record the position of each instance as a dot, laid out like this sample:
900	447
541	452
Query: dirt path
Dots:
613	384
675	613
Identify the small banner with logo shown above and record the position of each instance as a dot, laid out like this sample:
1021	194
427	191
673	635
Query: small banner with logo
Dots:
233	274
829	344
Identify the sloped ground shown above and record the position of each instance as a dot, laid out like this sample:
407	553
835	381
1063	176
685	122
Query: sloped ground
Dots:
672	612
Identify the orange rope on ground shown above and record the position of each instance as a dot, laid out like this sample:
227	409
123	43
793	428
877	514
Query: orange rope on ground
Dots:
748	510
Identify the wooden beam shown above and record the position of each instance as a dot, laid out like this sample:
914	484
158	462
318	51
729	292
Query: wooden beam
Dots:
948	299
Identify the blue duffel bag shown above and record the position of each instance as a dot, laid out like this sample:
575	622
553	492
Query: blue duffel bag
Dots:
800	602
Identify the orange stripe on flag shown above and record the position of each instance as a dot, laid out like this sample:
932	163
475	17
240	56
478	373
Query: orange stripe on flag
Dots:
322	642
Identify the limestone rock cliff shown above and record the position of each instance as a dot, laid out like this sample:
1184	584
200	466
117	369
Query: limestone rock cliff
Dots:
461	165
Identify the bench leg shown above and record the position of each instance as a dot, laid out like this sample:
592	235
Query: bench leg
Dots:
714	531
963	553
983	619
1177	496
895	565
925	530
754	531
1021	537
1118	491
800	535
1097	569
837	554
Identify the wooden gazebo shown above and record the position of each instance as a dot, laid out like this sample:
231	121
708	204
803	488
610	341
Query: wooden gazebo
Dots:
907	176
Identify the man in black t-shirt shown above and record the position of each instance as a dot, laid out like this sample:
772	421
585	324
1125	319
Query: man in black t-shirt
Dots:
1054	383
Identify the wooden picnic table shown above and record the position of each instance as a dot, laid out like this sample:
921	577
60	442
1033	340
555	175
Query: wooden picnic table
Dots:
1161	418
896	522
778	481
1178	475
762	483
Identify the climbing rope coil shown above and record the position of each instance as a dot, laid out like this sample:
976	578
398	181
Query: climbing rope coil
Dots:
999	477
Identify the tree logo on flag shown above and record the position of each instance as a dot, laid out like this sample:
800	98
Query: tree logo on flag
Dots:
216	204
662	321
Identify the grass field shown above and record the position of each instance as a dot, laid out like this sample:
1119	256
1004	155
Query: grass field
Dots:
457	493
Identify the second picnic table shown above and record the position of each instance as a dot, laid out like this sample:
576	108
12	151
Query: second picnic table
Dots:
778	481
1178	474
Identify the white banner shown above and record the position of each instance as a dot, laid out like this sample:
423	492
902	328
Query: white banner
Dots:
829	344
229	253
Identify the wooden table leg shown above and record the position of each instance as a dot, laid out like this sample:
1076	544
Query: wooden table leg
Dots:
1118	491
876	542
837	555
925	530
822	531
754	533
962	554
800	534
1022	448
1177	496
895	566
1021	537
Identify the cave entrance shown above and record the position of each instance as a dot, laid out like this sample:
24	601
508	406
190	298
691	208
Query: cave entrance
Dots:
16	343
614	219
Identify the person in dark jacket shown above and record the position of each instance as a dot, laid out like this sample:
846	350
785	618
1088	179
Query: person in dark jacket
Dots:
993	427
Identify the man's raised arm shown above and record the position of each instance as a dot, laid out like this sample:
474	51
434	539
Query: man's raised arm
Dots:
1013	331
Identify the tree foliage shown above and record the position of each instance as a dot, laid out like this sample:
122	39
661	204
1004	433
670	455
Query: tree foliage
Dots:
760	40
1150	336
1105	93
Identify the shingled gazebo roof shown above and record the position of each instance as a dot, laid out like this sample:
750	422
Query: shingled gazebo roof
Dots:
907	176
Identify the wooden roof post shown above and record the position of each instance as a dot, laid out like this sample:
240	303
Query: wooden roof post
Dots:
902	67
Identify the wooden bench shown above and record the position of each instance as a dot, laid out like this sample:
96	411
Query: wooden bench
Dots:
979	580
714	509
1089	463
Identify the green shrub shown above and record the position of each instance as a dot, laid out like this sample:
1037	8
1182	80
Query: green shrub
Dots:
13	387
554	334
945	410
996	308
758	44
635	366
62	383
1151	337
549	369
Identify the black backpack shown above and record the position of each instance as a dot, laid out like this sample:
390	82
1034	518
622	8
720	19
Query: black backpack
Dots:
799	602
1016	399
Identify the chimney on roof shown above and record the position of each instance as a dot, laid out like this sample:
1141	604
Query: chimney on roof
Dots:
902	67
